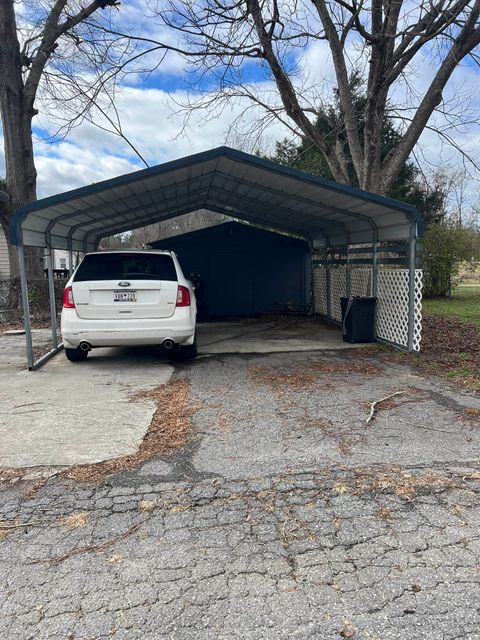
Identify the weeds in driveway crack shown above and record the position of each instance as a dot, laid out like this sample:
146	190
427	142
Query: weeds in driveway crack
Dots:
88	548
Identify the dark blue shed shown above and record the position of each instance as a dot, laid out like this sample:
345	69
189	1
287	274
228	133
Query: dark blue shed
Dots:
245	270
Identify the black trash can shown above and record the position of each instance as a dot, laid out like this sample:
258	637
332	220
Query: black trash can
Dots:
358	319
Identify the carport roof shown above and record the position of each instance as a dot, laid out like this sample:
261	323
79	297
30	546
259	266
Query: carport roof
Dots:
224	180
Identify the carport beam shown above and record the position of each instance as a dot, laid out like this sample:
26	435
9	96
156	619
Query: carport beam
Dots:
25	304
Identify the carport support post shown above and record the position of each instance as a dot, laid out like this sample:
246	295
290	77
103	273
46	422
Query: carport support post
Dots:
25	304
348	279
374	264
412	246
51	293
329	283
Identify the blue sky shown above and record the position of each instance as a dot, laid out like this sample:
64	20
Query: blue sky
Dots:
153	121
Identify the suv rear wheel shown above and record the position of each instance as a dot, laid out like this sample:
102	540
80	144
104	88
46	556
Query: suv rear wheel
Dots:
76	355
188	352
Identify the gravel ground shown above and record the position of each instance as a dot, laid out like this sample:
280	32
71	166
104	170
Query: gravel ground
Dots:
285	516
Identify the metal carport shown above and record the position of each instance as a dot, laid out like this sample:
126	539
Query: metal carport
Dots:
349	230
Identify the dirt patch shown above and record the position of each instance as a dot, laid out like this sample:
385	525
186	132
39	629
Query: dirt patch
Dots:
32	478
385	514
386	405
17	325
272	377
224	421
358	366
450	349
449	335
40	350
306	375
9	475
170	427
4	533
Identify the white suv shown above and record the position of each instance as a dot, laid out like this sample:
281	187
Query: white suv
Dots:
123	298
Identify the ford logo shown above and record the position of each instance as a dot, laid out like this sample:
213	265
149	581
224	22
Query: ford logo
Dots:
124	284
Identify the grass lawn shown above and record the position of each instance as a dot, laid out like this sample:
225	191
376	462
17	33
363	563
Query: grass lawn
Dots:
463	305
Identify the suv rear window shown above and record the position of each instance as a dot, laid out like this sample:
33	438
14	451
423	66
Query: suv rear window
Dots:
135	266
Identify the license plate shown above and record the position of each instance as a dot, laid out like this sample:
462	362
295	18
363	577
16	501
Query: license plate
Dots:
124	296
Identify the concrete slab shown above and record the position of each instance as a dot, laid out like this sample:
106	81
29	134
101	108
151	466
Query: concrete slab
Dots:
275	336
68	413
77	413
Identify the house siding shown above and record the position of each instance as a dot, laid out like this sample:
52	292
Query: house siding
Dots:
4	259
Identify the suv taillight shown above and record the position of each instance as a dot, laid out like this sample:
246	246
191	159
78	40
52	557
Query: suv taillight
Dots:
183	296
68	301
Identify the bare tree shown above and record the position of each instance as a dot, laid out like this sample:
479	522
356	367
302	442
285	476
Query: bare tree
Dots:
63	57
460	202
185	223
380	39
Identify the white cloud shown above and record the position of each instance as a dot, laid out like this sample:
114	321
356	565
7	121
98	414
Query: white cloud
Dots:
72	166
152	123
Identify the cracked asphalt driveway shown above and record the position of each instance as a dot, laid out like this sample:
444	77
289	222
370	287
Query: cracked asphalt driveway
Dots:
284	516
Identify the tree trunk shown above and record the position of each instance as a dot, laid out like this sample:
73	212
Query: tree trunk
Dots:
16	114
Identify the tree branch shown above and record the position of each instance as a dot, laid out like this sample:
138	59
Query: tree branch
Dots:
343	86
52	31
468	38
288	94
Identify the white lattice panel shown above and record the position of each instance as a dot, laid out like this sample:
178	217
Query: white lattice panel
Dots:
360	282
392	299
360	285
338	289
392	307
320	289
